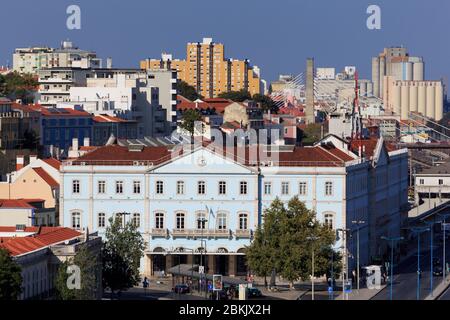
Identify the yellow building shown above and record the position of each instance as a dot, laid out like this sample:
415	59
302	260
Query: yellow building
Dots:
207	69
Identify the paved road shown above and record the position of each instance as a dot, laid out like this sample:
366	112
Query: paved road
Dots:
405	281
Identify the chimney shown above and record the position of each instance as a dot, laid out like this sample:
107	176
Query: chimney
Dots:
86	142
20	162
74	144
33	158
109	63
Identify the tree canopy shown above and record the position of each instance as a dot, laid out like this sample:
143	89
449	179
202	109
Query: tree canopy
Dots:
10	277
89	267
17	86
237	96
286	241
188	119
266	103
121	253
187	91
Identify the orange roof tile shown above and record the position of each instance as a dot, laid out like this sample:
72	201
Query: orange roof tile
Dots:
53	162
46	177
47	237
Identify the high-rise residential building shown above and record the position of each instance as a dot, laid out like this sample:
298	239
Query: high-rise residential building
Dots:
208	71
395	62
33	59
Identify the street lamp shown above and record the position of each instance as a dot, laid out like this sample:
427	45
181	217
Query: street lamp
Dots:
444	226
344	269
418	231
202	224
431	225
392	240
358	223
312	239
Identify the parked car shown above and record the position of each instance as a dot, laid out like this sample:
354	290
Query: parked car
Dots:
181	288
437	271
254	293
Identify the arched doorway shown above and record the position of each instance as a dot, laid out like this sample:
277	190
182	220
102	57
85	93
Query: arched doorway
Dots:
158	260
241	262
222	261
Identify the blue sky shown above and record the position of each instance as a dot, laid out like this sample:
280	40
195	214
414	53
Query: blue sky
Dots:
275	35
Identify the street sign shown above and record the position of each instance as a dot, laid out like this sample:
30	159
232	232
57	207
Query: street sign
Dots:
217	282
330	290
201	269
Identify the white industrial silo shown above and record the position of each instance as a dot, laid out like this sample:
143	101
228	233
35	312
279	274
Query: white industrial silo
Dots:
418	71
422	98
363	88
439	104
376	76
370	92
404	112
413	96
431	100
397	100
408	71
382	74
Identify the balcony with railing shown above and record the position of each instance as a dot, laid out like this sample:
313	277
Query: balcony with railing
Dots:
159	233
243	233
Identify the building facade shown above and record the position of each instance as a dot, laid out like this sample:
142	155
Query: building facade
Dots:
33	59
208	71
177	201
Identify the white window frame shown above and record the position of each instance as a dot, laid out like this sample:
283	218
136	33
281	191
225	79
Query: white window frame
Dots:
101	220
329	188
159	187
160	220
119	187
180	187
137	187
101	187
76	186
285	188
243	188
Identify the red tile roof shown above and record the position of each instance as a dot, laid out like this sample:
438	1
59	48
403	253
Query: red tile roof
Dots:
53	162
122	155
46	177
18	203
48	236
60	112
218	104
108	119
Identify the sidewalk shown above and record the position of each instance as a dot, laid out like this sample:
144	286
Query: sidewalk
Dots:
439	289
364	294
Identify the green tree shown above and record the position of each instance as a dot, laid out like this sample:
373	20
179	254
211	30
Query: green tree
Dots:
10	277
187	91
237	96
266	102
258	256
18	86
286	242
89	270
263	254
188	120
312	133
121	253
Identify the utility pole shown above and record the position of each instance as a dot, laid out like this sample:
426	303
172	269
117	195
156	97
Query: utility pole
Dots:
358	223
431	225
418	231
345	261
313	239
392	240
